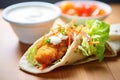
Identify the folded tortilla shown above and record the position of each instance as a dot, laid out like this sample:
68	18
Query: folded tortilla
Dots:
71	57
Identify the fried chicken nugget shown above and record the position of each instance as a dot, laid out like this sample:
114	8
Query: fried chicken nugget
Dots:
49	53
46	54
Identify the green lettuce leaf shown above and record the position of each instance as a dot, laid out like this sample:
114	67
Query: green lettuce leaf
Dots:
98	31
31	55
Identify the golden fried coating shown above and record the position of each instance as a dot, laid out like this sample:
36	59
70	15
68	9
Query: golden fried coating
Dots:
62	48
48	53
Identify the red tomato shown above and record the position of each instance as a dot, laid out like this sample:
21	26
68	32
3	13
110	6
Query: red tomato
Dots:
79	7
93	6
66	5
89	9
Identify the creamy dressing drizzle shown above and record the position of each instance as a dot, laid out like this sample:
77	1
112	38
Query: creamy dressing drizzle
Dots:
57	39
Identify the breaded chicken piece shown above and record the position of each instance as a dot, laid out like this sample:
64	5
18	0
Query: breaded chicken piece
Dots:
48	53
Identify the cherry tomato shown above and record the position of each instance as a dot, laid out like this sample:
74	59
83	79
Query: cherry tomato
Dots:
93	6
79	7
88	10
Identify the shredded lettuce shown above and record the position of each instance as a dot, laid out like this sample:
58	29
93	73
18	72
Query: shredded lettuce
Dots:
31	55
98	31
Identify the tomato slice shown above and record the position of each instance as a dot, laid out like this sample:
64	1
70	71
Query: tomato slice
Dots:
80	8
93	6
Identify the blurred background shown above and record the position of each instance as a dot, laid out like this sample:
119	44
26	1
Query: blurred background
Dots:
5	3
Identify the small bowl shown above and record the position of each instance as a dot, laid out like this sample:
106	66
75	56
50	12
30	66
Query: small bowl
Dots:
31	20
82	19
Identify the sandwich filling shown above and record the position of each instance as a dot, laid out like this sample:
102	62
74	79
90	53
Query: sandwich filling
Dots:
53	46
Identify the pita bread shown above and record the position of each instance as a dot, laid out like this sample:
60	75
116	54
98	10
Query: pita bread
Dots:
68	58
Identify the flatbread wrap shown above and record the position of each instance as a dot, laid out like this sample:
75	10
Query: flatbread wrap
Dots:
67	44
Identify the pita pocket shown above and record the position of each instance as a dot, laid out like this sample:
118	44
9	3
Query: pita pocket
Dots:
67	44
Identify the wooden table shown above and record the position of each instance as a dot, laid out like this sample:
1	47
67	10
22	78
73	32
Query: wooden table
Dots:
11	51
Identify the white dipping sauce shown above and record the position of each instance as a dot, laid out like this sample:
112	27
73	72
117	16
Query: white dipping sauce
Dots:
31	14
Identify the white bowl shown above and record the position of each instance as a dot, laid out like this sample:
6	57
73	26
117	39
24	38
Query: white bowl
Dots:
31	20
82	19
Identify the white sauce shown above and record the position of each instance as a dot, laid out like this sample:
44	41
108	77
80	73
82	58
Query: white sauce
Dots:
57	39
62	37
31	14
